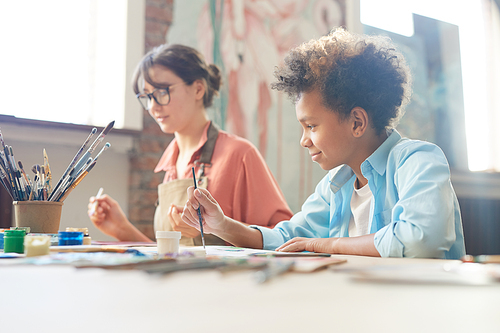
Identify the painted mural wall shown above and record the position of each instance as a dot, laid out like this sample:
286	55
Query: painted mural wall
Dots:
247	39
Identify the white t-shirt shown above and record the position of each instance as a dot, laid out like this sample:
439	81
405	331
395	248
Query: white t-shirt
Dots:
360	211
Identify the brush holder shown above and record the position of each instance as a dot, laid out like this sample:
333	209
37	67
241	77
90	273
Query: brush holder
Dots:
40	216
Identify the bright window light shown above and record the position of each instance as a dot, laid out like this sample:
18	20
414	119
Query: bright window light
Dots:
468	16
65	61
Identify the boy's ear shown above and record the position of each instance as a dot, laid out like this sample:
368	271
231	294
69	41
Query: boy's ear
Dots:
359	119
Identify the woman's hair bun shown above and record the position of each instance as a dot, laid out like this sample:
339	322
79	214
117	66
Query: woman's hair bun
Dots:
214	76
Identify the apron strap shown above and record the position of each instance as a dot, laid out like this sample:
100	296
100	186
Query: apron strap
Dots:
208	149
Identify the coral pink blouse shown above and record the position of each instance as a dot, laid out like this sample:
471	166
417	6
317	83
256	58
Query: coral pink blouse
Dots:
239	179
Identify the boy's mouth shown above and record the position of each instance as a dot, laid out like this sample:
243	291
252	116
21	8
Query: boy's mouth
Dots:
315	156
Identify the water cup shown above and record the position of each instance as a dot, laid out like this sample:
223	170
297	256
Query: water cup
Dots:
40	216
168	241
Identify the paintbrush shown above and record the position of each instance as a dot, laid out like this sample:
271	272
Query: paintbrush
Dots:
94	205
200	218
4	167
36	188
77	181
70	179
12	159
48	173
29	186
2	155
24	173
73	161
5	181
16	174
103	149
92	147
34	192
44	183
41	175
75	174
11	173
1	139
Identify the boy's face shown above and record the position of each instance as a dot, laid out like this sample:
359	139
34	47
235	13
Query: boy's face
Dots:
328	139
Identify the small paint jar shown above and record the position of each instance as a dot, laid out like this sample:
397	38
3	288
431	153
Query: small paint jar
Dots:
26	229
13	241
36	245
70	238
87	240
1	240
168	241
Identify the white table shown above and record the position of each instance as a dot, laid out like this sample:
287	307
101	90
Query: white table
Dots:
66	299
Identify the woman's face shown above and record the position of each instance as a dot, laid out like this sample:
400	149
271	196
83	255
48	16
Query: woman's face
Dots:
184	102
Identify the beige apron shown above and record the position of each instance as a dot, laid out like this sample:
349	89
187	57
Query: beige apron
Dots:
175	192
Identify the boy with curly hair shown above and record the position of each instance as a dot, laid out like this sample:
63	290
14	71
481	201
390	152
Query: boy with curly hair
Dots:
384	195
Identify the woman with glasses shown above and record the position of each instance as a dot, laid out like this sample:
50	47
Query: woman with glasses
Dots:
176	86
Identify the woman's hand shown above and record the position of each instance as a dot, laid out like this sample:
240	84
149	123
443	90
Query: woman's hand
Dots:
213	217
298	244
107	215
175	215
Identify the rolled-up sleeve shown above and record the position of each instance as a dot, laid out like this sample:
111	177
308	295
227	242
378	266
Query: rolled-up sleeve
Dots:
312	221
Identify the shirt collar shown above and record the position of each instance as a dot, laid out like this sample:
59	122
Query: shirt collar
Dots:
378	161
169	157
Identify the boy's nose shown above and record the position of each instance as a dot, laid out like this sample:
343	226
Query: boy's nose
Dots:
305	141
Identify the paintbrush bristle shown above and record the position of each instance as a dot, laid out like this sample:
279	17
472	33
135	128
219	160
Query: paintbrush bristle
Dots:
94	130
108	128
33	168
20	165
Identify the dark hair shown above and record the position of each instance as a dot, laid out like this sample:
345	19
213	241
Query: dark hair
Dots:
350	70
186	62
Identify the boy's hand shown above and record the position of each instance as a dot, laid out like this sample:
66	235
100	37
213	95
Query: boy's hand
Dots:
298	244
360	245
213	217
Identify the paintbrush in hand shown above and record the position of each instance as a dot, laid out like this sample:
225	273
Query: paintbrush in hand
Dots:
200	218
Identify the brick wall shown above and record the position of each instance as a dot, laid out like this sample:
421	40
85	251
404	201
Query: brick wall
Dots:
150	144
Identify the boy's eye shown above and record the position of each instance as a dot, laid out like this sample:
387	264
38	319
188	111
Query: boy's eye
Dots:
311	126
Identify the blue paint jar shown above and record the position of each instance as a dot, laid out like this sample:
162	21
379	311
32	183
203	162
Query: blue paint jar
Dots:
70	238
1	240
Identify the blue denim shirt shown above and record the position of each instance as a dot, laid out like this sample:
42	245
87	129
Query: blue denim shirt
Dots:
414	211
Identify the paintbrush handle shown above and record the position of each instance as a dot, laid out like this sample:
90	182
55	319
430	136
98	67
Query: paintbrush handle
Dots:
200	218
73	161
83	160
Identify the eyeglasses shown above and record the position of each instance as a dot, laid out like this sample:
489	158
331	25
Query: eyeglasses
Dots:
160	95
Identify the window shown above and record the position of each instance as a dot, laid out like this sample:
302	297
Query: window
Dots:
479	28
71	61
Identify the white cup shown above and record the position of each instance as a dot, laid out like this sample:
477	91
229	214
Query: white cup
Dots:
36	245
168	241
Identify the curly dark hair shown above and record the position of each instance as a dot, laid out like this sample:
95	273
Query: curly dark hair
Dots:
186	62
350	70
